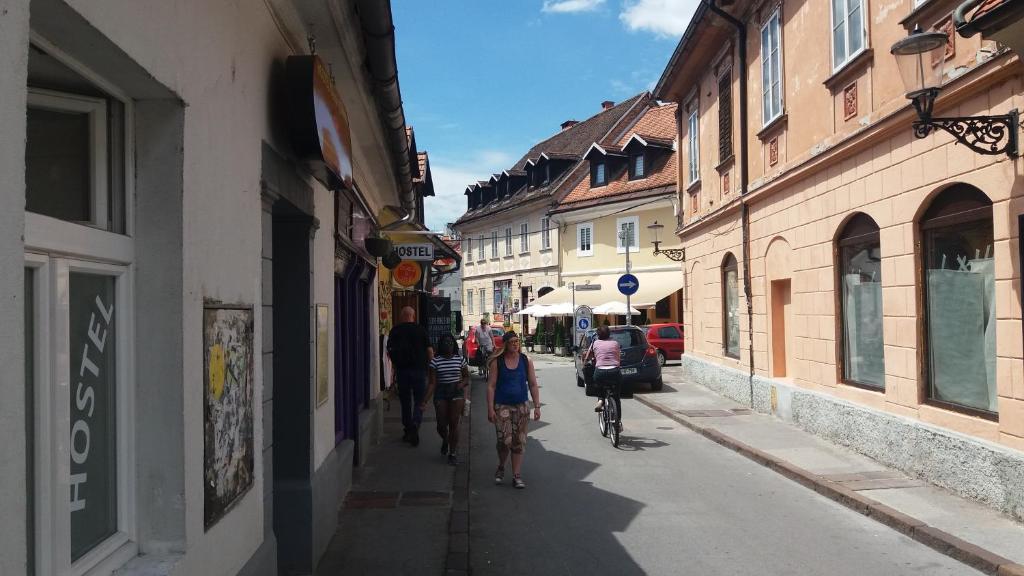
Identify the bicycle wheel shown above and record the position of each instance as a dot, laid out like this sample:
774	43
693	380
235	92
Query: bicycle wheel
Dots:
602	421
613	419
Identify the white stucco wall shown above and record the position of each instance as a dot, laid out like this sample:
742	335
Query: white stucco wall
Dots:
13	69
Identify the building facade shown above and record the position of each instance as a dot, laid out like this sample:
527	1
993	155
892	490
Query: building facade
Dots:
185	390
877	274
510	246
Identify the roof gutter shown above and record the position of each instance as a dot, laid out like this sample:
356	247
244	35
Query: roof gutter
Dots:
379	38
664	83
960	17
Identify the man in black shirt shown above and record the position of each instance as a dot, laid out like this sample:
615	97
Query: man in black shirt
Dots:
410	352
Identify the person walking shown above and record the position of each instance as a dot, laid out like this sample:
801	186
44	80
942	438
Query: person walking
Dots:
484	345
410	351
606	354
449	377
511	375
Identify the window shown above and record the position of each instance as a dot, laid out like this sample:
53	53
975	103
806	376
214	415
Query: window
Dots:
693	147
502	296
662	308
725	117
508	241
959	288
771	78
79	316
730	308
848	31
584	239
670	332
626	232
545	233
467	247
860	268
483	300
480	248
494	244
599	176
547	173
524	238
636	166
469	301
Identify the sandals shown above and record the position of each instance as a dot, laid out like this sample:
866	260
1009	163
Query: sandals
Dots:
499	475
517	482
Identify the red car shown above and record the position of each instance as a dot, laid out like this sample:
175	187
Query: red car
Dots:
470	346
668	339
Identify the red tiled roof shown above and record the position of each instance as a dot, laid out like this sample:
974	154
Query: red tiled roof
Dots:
657	122
422	157
988	6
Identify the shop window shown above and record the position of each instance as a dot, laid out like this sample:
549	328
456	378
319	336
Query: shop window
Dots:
860	269
731	308
960	310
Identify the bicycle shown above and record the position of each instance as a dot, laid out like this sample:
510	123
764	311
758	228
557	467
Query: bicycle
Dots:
609	420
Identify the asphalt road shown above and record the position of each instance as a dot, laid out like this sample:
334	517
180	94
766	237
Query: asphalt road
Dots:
668	501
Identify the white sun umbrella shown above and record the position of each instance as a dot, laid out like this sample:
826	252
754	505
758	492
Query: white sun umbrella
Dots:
562	309
535	310
614	307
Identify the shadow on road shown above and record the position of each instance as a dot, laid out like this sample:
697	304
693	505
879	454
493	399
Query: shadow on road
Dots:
637	444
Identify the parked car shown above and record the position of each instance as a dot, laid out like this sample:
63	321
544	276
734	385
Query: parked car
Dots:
470	346
668	339
638	358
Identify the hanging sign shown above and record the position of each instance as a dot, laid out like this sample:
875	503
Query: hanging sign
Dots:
318	122
408	273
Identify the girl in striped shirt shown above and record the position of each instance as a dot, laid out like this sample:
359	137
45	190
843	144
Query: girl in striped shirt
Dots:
449	376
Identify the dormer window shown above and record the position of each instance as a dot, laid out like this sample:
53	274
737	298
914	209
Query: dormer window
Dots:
637	167
599	176
547	174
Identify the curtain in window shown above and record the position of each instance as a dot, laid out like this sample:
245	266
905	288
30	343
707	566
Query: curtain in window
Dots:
732	345
862	329
962	337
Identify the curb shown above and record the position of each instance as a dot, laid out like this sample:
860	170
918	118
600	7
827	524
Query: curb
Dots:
457	561
939	540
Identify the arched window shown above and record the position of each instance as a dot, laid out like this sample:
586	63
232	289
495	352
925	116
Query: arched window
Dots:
730	308
959	288
860	281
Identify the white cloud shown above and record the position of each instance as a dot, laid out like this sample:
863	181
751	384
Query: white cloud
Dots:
663	17
568	6
451	177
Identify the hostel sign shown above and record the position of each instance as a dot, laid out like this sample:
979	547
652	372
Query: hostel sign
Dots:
418	252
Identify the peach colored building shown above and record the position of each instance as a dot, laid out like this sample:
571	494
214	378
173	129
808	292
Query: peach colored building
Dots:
840	272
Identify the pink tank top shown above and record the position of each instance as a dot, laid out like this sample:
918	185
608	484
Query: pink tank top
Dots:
606	353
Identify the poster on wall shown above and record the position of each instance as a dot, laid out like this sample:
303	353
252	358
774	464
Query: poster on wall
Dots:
439	318
323	319
227	408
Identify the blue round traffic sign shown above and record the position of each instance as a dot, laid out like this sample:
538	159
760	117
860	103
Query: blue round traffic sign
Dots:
583	323
628	284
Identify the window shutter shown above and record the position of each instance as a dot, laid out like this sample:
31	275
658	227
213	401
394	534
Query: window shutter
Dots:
724	117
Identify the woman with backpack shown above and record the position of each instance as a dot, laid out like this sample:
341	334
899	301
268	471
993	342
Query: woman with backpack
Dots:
448	378
510	376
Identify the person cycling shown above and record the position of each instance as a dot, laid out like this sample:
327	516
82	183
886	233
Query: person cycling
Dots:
605	354
485	344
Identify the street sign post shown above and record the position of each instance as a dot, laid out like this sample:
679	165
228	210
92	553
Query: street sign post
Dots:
587	287
584	320
628	284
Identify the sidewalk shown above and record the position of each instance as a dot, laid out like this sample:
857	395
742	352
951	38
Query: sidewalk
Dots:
962	529
408	509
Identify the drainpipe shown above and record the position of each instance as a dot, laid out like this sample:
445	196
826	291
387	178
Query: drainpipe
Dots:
379	38
960	16
741	34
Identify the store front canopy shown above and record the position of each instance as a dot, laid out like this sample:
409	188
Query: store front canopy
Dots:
654	286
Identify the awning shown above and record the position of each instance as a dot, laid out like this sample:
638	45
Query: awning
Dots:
654	286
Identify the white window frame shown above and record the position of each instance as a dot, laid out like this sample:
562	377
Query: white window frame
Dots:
508	241
642	173
55	248
480	249
693	145
469	301
545	233
849	56
589	227
524	238
600	173
620	248
96	109
494	243
771	109
483	300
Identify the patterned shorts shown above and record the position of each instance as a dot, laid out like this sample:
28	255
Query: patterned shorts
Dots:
511	424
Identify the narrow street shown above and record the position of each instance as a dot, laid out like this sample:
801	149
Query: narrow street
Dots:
668	501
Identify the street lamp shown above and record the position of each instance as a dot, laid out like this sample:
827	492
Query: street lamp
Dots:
920	58
677	254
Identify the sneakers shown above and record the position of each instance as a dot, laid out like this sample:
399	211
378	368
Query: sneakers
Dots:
518	482
499	475
465	408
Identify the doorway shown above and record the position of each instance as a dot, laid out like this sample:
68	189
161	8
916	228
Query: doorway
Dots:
780	313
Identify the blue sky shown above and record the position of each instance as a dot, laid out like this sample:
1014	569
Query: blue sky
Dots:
483	80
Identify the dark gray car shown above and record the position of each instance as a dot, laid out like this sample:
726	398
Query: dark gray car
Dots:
638	360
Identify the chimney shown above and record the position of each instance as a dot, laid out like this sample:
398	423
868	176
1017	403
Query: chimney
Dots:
569	124
607	105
